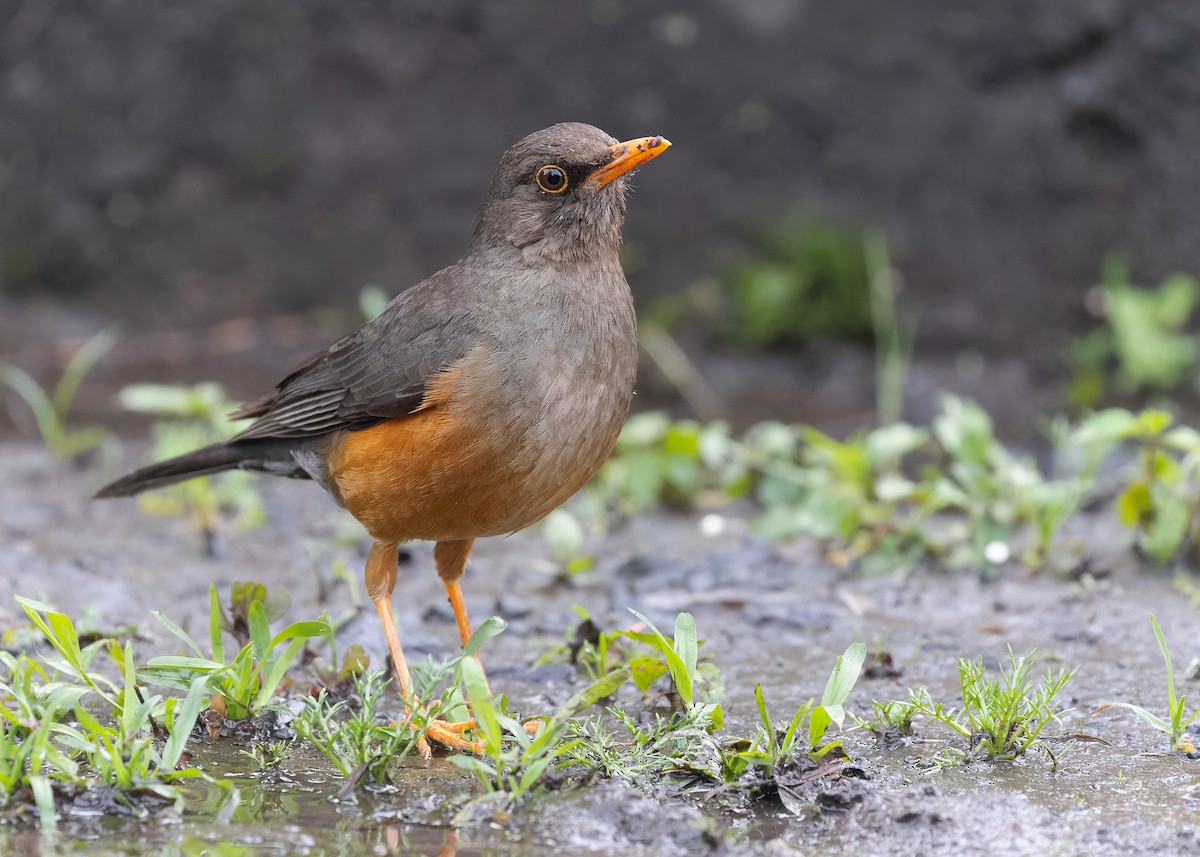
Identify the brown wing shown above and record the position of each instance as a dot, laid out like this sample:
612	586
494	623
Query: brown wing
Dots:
378	372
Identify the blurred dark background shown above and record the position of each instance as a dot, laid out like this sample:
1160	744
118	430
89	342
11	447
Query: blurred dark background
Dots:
213	173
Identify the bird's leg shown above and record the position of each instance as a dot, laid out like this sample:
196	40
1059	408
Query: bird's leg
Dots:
451	561
380	581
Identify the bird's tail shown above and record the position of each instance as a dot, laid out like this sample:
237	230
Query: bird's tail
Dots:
202	462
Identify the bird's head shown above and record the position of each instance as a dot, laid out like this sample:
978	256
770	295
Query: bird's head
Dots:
559	194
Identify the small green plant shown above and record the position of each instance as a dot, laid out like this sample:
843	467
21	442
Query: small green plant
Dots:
1001	717
773	745
643	653
1143	343
359	741
246	684
135	745
51	411
517	755
192	417
676	464
1177	719
1157	495
268	755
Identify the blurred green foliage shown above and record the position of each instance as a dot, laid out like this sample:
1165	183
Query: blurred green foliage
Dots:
1144	344
885	499
51	409
806	278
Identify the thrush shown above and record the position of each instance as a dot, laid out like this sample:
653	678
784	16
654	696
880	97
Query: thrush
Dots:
479	399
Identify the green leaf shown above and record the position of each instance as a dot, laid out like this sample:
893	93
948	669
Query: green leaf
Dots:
601	688
818	724
180	727
845	674
300	630
1106	427
679	673
178	632
481	705
764	717
886	446
490	628
686	645
43	799
1133	504
1167	528
260	631
214	624
179	662
646	670
1152	719
278	670
49	426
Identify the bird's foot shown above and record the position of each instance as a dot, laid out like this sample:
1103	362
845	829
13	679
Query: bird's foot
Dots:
451	735
443	733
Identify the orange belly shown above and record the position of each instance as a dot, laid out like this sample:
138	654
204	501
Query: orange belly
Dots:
417	477
429	476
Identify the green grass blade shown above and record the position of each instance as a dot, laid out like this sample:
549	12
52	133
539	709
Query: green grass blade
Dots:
302	631
765	716
129	699
260	630
789	738
178	632
181	662
486	631
604	686
1166	653
31	392
181	729
278	670
43	799
214	625
77	368
481	704
1152	719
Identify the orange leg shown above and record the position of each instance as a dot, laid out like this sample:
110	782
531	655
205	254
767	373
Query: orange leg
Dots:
451	560
381	580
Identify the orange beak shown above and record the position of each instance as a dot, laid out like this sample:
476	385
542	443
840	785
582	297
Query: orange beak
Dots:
627	156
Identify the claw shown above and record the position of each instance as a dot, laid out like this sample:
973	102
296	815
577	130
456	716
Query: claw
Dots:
450	735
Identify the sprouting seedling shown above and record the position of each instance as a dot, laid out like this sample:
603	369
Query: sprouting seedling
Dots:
1175	722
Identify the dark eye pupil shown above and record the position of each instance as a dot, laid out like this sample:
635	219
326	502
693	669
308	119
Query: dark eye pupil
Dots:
553	178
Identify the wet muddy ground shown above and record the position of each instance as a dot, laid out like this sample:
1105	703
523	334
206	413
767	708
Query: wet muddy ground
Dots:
774	614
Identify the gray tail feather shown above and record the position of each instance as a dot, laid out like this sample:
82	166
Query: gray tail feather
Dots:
202	462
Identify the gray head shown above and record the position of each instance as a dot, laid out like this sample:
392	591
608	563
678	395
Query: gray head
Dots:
559	194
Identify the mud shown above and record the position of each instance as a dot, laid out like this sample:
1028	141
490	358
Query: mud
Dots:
771	614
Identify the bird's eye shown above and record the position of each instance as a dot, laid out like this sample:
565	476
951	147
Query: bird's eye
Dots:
552	179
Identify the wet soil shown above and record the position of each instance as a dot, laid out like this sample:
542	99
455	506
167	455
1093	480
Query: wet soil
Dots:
775	614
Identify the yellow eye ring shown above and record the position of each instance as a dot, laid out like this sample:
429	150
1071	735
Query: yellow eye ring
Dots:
552	179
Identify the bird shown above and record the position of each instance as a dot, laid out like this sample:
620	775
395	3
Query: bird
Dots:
478	400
